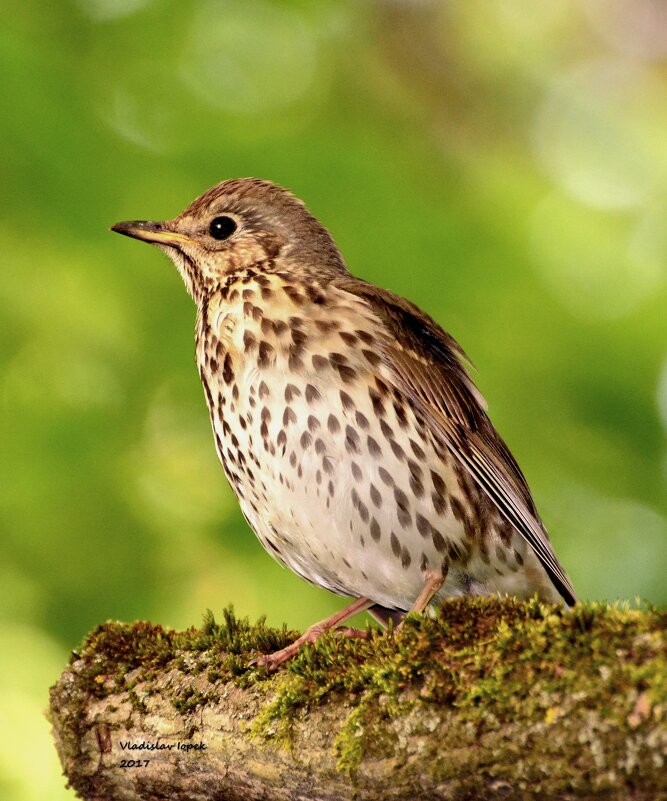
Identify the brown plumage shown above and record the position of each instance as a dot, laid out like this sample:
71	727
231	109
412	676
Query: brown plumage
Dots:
345	419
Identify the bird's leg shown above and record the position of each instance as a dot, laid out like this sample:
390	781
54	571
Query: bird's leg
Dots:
434	582
311	635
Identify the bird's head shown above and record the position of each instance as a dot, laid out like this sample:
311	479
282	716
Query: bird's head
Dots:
238	224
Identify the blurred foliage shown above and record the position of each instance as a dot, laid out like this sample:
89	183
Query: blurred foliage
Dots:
503	163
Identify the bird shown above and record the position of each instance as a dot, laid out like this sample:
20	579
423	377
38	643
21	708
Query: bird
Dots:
346	420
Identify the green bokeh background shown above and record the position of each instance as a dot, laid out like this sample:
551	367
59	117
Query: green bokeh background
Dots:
503	163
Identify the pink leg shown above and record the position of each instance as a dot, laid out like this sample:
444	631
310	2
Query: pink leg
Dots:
272	661
434	582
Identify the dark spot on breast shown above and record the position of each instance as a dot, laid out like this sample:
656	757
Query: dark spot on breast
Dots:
362	420
364	336
439	503
332	424
378	406
401	417
312	393
382	388
399	453
250	310
291	392
266	353
295	363
315	294
505	532
457	509
281	440
299	337
247	294
484	551
395	545
376	496
401	498
356	471
417	487
347	374
372	357
385	476
501	553
227	370
292	459
313	423
363	512
375	530
423	525
438	484
306	440
265	415
348	338
263	390
325	326
438	541
294	295
386	429
288	416
417	450
518	557
373	448
249	341
351	440
346	400
330	488
319	362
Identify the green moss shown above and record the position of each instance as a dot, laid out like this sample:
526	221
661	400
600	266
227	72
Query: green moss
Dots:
491	660
190	699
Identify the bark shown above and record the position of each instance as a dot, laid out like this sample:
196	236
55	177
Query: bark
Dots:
492	698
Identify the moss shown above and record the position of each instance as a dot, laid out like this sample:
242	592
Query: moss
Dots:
490	660
190	699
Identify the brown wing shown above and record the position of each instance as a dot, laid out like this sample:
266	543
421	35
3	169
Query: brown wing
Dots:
427	366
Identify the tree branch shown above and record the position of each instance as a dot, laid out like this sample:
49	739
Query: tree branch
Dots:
492	698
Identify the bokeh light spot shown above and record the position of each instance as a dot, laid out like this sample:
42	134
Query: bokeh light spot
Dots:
599	265
250	58
595	133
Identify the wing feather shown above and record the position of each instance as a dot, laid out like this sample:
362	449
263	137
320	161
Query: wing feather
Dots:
428	366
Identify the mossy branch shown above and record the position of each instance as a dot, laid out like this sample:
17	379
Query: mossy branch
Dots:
493	698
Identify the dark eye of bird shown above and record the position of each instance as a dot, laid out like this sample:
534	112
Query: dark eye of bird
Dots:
222	227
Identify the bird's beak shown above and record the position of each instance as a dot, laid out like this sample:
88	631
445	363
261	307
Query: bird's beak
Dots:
156	233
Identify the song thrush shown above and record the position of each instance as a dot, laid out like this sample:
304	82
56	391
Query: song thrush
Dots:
345	419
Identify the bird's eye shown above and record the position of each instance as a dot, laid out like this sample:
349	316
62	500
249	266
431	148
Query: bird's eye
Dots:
222	227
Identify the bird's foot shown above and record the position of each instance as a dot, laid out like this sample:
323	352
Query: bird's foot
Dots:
313	634
273	661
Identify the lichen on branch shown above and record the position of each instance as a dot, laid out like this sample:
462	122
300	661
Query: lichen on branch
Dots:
489	695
